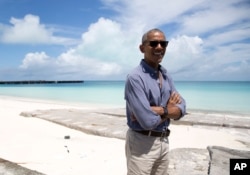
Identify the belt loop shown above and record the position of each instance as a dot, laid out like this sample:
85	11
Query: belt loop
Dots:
149	133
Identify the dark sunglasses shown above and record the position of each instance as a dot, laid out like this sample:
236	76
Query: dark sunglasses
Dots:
163	44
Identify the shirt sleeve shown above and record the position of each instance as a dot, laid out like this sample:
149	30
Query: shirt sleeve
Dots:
139	105
182	105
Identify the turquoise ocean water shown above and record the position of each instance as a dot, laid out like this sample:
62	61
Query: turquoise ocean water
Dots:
229	97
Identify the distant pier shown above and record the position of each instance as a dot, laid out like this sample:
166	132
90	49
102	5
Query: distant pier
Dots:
41	82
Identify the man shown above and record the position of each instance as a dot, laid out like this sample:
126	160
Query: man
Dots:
151	101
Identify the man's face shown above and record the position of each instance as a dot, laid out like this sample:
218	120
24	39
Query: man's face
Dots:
154	51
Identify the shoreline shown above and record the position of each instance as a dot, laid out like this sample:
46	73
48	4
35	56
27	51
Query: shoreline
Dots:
60	102
101	105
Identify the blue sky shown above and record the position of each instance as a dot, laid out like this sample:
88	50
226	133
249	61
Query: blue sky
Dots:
98	40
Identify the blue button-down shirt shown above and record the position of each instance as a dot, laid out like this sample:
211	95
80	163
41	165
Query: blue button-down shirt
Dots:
142	91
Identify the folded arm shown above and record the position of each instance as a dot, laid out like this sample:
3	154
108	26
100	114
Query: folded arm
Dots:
174	111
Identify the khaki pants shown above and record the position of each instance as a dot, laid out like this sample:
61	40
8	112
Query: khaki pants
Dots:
146	155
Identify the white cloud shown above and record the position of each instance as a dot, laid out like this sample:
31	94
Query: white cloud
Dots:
29	30
227	37
96	55
183	54
34	60
185	44
141	15
214	15
76	62
206	43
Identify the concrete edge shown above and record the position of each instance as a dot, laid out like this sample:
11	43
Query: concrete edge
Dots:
10	168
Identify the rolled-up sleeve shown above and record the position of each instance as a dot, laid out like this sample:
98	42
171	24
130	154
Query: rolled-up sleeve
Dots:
139	104
182	105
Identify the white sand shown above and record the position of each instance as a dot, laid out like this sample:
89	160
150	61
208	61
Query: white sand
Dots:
201	137
40	145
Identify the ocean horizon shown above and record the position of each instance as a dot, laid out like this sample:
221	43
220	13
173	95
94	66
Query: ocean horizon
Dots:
231	97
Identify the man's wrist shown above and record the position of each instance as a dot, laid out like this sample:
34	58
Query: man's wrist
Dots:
165	113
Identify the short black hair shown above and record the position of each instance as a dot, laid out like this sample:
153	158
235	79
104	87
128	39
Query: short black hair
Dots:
145	36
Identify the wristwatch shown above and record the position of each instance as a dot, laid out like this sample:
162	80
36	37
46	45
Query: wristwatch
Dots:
165	114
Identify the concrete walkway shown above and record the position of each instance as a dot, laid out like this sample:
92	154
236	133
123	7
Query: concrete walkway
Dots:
10	168
107	123
112	122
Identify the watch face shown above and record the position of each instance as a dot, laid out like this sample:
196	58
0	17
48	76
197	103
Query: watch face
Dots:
165	111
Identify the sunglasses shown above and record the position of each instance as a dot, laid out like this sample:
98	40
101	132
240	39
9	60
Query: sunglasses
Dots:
163	44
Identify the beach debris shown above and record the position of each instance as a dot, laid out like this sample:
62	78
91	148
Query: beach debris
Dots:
67	137
27	114
67	148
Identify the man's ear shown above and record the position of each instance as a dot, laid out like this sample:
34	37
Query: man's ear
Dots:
142	48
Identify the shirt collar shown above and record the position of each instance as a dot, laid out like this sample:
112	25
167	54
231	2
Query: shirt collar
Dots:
154	73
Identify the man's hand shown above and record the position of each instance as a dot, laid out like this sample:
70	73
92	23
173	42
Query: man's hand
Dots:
173	111
174	99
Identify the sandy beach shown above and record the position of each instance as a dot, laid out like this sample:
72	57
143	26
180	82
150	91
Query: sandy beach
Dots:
40	145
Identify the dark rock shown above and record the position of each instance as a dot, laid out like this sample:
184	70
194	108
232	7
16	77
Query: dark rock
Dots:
188	161
220	159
